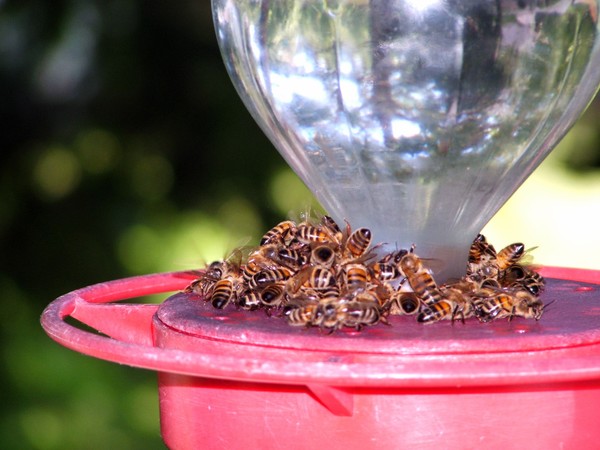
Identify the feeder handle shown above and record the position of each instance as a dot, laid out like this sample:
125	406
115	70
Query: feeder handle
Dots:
128	325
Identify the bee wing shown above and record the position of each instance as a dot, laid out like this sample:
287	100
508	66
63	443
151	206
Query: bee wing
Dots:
435	265
527	258
240	254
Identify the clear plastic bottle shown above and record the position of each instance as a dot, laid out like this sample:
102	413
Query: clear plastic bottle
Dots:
417	119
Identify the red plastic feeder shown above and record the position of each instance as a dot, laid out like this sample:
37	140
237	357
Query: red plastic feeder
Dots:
235	379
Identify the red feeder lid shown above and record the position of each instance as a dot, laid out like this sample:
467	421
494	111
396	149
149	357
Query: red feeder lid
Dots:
186	335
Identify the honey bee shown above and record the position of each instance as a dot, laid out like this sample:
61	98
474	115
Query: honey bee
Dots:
436	311
480	251
420	279
461	301
279	233
309	234
356	276
382	291
249	301
534	283
222	293
358	314
403	303
260	260
323	255
292	259
509	304
201	286
327	315
482	259
485	285
332	227
328	293
512	275
455	303
385	271
509	255
204	285
269	276
272	295
300	314
358	243
519	276
314	277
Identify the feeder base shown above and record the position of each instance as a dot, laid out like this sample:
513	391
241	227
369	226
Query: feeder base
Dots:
205	413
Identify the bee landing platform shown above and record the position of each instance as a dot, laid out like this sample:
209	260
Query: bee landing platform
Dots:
234	380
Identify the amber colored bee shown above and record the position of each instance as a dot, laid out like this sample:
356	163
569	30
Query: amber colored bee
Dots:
204	285
309	234
419	279
517	276
358	243
300	314
222	293
314	277
482	259
480	251
509	304
292	259
385	271
403	303
249	300
272	295
333	228
279	233
356	276
320	278
485	285
327	315
358	314
260	260
382	291
436	311
322	255
452	305
509	255
269	276
534	283
461	301
328	293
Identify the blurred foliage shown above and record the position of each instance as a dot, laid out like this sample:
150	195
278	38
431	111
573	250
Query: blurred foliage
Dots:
125	150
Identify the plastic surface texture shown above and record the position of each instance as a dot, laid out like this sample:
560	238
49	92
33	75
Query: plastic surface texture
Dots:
417	119
233	379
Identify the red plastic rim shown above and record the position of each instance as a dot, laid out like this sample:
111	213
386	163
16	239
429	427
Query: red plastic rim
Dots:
188	337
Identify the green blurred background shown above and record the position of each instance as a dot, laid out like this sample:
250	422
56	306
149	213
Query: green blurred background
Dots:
125	151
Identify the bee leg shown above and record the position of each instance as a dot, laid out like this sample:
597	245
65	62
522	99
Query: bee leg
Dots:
512	314
457	311
384	320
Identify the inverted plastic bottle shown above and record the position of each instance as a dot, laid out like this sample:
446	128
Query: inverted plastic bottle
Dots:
417	119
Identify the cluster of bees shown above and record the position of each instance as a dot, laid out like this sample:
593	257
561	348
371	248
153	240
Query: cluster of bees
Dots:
316	275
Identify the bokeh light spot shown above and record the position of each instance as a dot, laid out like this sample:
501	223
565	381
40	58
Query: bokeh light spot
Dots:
56	173
42	427
189	242
139	249
99	150
152	177
289	194
240	218
141	404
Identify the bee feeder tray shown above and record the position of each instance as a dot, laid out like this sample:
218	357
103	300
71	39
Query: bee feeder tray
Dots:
236	379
